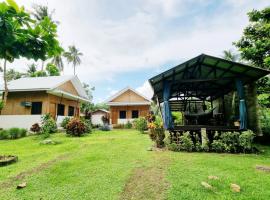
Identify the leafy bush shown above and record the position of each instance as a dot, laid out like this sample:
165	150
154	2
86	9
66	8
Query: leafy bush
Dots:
48	124
4	134
128	125
218	146
186	143
173	147
246	140
14	133
65	121
140	124
88	125
105	127
231	141
35	128
23	132
76	127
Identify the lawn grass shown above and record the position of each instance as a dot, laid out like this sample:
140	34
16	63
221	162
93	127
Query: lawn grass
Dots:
117	165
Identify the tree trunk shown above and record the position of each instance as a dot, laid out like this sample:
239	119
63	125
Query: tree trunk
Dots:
5	82
252	109
74	70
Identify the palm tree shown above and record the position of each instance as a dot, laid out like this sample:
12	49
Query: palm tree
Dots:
41	11
58	62
73	56
229	55
32	69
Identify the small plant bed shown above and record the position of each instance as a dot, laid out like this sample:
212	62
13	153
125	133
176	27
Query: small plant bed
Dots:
7	160
225	142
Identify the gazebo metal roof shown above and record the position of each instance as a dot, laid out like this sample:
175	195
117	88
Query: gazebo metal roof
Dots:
205	77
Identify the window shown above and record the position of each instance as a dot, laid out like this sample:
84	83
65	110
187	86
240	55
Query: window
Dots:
70	111
135	114
122	114
61	109
36	108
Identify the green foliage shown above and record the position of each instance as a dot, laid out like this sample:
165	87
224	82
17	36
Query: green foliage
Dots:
52	70
65	122
177	117
186	143
13	133
231	141
75	127
140	124
218	146
246	141
48	124
254	44
88	125
128	125
173	147
73	56
1	105
23	36
13	75
4	134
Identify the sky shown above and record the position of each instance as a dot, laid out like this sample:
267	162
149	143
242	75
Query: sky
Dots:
126	42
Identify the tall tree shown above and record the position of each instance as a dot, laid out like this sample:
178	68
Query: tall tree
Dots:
13	75
254	47
73	56
22	36
58	62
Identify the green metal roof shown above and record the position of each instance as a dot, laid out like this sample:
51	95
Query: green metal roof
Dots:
205	76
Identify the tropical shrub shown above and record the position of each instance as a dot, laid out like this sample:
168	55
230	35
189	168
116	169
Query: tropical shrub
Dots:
88	125
186	143
4	134
173	147
246	141
35	128
231	141
140	124
48	124
75	127
15	133
128	125
65	121
218	146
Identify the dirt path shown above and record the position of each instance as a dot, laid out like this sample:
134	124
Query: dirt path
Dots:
148	182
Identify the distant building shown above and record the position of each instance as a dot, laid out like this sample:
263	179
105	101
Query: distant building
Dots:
127	105
96	116
30	98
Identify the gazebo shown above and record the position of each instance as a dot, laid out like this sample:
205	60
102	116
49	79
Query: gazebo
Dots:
198	88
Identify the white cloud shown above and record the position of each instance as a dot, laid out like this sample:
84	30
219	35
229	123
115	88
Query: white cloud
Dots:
146	90
128	36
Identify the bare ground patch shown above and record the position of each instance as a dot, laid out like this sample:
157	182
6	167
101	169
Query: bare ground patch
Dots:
148	182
